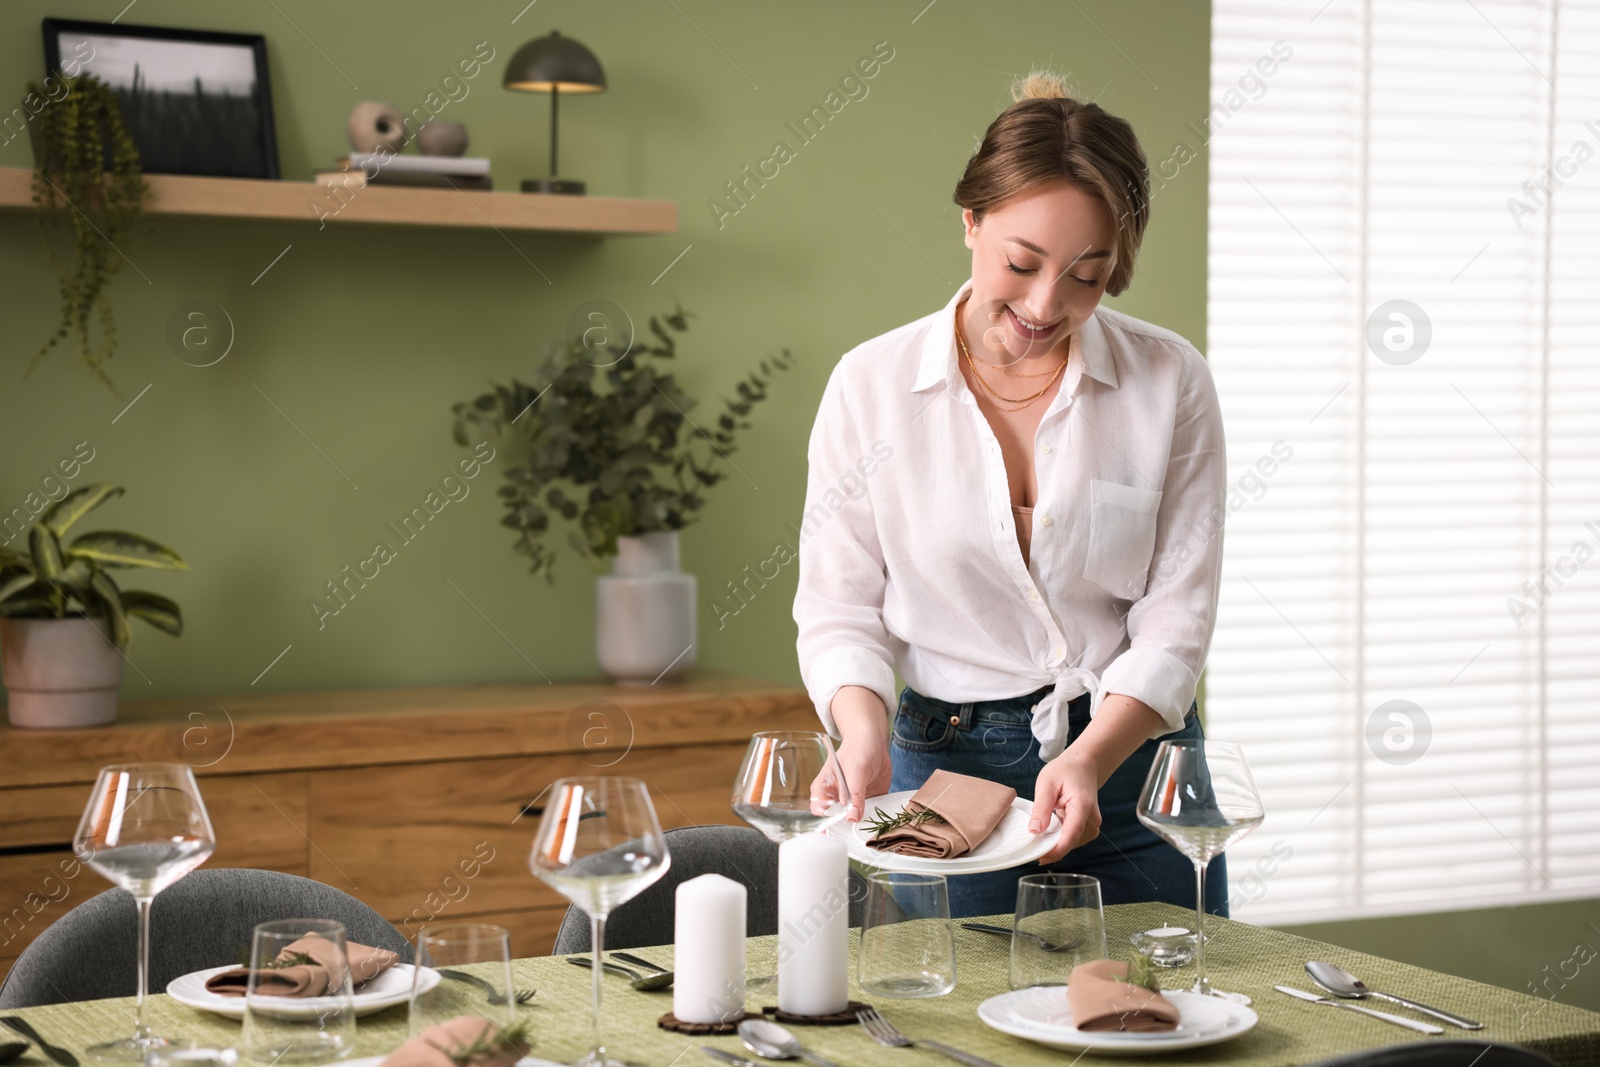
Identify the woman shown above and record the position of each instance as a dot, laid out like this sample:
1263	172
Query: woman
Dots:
1016	503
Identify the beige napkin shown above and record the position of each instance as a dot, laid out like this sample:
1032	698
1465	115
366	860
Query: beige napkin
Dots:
434	1046
971	808
313	979
1101	998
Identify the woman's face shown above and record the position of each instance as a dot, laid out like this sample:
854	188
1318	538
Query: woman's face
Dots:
1042	259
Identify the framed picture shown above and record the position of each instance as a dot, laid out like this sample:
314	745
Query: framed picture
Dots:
194	101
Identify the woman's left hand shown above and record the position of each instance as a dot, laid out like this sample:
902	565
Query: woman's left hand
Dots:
1069	785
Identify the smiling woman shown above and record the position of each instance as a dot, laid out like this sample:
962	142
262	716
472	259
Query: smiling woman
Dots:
1047	449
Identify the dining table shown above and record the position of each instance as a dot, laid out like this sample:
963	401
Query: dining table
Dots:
1239	957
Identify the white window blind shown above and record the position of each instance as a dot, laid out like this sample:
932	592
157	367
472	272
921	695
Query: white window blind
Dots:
1409	528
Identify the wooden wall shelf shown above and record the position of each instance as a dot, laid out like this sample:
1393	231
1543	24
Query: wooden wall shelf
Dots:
311	202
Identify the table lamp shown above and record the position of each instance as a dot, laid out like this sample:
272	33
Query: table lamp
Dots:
554	64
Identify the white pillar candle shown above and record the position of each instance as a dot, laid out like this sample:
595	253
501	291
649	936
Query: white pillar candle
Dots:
813	925
708	950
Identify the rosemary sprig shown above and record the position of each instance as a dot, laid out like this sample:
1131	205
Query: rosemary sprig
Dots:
1142	972
298	959
883	822
488	1044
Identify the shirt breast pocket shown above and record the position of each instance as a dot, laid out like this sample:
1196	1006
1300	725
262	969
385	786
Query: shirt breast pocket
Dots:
1122	537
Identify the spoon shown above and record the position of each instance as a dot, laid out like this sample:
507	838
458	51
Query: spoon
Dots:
771	1041
11	1050
642	962
645	983
1341	983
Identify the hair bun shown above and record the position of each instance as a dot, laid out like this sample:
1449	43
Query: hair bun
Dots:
1040	85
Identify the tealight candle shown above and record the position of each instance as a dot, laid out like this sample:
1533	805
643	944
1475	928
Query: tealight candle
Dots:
708	950
813	926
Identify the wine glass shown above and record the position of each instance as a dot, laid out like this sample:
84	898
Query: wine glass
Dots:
599	844
144	827
773	792
1200	798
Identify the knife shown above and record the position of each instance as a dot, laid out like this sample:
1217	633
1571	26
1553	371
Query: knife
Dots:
60	1055
727	1057
1410	1024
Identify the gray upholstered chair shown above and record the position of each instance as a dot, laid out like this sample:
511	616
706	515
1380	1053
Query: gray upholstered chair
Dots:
1443	1052
203	920
736	852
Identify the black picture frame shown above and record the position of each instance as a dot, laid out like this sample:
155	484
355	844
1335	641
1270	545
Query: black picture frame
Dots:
199	131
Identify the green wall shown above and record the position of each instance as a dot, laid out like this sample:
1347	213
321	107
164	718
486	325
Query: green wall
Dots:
364	336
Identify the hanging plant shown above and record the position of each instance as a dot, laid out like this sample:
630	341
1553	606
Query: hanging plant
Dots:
86	170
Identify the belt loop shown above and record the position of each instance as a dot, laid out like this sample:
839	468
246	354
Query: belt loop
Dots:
966	717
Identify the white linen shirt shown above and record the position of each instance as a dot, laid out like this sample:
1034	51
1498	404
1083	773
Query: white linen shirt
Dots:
909	559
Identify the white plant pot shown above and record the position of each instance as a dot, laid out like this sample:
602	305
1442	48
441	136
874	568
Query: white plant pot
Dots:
59	673
644	612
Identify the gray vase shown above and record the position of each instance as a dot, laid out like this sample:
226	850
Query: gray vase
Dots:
59	673
645	617
435	138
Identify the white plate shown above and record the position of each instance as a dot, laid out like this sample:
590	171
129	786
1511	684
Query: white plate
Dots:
1010	845
392	986
1042	1014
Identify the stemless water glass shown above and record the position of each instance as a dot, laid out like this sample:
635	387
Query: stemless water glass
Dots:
599	844
1200	798
478	949
908	948
298	1030
144	828
1058	925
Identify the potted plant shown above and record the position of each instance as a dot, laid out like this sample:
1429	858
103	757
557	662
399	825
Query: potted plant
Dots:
64	622
602	436
85	171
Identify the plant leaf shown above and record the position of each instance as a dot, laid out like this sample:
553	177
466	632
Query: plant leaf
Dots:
155	609
75	505
117	548
111	598
15	586
46	551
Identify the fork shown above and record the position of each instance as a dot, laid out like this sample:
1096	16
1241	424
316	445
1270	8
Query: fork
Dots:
1006	931
521	996
885	1033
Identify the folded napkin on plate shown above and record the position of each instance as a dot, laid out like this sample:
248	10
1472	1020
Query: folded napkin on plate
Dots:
306	979
1102	998
970	808
444	1045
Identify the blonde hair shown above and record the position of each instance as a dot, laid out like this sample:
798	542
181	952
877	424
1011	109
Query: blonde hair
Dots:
1048	135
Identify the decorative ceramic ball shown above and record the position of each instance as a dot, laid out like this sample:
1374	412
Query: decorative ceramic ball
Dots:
442	138
374	126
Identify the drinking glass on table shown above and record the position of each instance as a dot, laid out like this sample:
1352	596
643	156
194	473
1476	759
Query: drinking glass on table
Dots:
908	947
773	794
288	1030
477	949
599	844
144	828
1200	798
1058	924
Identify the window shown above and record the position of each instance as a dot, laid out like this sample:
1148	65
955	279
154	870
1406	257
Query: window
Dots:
1404	327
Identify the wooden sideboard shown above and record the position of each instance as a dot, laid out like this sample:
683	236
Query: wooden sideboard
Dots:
418	801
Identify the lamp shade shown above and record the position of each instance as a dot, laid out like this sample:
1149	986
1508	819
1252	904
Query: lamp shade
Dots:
554	63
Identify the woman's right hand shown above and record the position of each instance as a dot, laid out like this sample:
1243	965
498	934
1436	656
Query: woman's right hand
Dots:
863	753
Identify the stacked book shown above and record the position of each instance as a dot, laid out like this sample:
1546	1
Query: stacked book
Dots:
444	172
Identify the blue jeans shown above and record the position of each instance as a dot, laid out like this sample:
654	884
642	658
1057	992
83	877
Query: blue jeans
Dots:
993	739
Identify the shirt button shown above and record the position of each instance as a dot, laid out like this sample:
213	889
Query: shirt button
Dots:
1058	652
1045	449
1033	594
1048	521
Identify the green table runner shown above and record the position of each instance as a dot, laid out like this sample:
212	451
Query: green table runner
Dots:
1239	957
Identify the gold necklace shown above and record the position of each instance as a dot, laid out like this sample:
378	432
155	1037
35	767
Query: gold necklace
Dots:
976	374
1023	400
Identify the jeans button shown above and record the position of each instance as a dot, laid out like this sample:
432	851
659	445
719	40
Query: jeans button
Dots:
955	720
